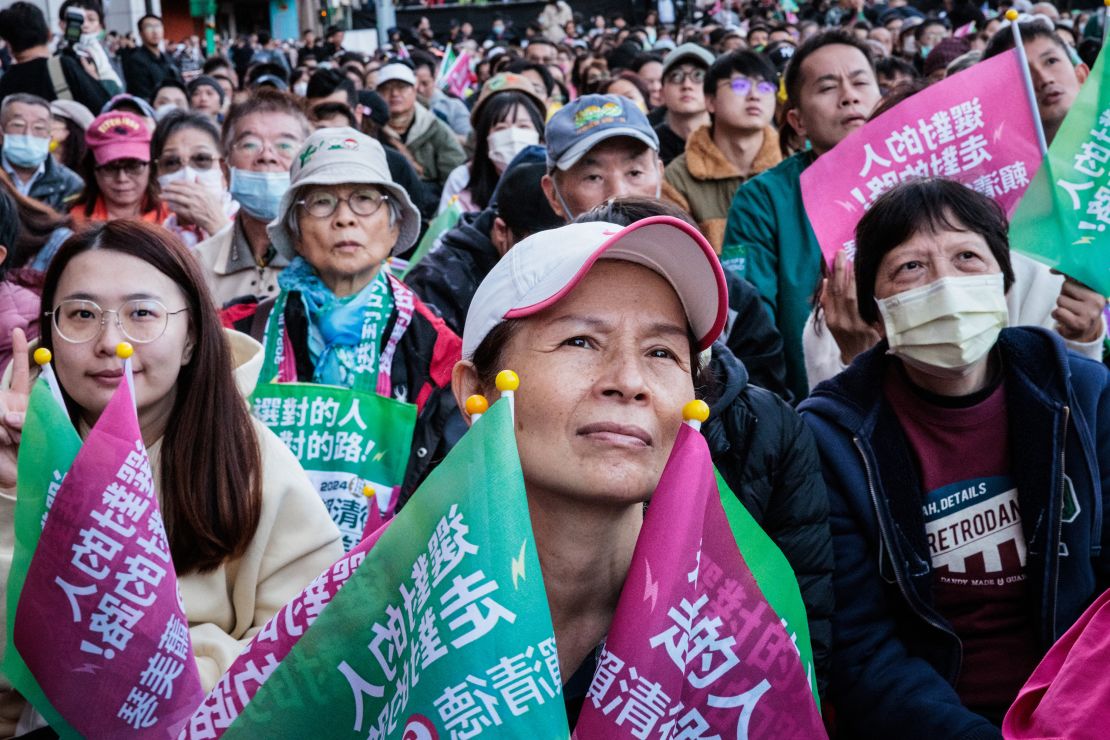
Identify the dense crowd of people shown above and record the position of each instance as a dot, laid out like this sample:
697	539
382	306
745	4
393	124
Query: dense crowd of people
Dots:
260	209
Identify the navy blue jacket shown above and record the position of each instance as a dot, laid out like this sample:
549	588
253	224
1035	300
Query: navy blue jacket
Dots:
895	658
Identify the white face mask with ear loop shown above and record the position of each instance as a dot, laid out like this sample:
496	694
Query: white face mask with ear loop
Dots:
946	327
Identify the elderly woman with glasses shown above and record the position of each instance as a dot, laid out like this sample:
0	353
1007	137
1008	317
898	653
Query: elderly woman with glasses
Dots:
341	319
118	182
245	527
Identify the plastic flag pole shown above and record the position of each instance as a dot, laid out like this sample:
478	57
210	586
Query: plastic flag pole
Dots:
507	382
476	406
695	413
1012	17
42	359
124	350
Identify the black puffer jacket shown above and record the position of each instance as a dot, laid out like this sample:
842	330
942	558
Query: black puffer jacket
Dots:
768	457
448	277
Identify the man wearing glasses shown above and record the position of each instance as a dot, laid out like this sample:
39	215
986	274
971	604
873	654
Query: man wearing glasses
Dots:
261	136
26	120
684	71
738	143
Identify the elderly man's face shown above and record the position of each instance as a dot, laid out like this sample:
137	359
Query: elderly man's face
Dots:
616	167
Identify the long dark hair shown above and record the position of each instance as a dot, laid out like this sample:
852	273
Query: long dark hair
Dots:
75	144
211	477
483	175
37	224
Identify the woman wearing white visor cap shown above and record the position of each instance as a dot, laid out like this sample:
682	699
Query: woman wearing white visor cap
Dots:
604	326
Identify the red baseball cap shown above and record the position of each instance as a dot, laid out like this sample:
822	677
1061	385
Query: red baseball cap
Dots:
118	135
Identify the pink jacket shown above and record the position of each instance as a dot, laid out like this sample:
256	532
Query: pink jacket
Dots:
20	307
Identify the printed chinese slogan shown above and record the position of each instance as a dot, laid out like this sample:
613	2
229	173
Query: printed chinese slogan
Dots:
976	127
49	445
443	628
695	649
103	597
346	440
1063	218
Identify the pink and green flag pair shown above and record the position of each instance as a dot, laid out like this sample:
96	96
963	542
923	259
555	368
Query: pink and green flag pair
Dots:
438	625
101	642
1063	220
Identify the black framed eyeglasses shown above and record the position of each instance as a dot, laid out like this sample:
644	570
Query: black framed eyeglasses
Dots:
362	202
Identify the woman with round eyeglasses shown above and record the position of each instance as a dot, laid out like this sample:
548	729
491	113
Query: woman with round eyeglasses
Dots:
341	319
246	529
738	143
186	153
118	182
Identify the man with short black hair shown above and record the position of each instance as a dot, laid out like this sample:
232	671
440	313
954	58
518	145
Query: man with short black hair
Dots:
683	97
541	51
35	71
450	110
90	46
25	122
831	90
147	66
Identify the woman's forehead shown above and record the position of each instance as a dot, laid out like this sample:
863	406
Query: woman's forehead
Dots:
614	287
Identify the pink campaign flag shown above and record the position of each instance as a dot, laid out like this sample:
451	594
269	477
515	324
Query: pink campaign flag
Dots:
976	127
100	622
695	649
457	79
964	30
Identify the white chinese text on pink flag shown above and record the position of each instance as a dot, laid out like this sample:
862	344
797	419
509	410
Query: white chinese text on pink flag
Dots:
976	127
100	622
691	655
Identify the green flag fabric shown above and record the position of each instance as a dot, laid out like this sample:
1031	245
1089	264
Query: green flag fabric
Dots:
443	625
46	451
1063	219
439	226
773	575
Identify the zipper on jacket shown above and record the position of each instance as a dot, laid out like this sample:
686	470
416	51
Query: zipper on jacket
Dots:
898	577
1059	514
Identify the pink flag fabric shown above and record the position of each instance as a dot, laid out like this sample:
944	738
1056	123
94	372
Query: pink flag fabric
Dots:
1068	697
457	79
100	622
695	650
976	127
270	646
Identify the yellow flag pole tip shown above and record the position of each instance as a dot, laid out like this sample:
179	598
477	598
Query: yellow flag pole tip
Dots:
42	356
507	380
124	350
1011	15
476	405
368	491
696	410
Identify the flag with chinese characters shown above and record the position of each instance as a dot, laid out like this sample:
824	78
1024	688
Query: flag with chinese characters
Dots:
441	630
1064	218
353	445
695	649
99	614
47	448
976	127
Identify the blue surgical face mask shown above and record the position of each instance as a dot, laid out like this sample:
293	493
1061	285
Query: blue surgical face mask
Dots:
259	193
24	150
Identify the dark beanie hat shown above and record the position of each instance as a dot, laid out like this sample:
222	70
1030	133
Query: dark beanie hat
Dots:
210	82
528	211
944	53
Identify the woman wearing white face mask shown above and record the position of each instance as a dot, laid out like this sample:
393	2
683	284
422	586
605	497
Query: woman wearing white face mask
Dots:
968	471
186	153
507	118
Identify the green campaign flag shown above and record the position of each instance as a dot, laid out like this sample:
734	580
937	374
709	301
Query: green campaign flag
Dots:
442	631
47	449
353	445
1062	219
773	575
437	228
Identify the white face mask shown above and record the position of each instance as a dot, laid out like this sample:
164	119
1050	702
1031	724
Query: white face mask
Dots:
505	144
300	89
945	328
211	179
